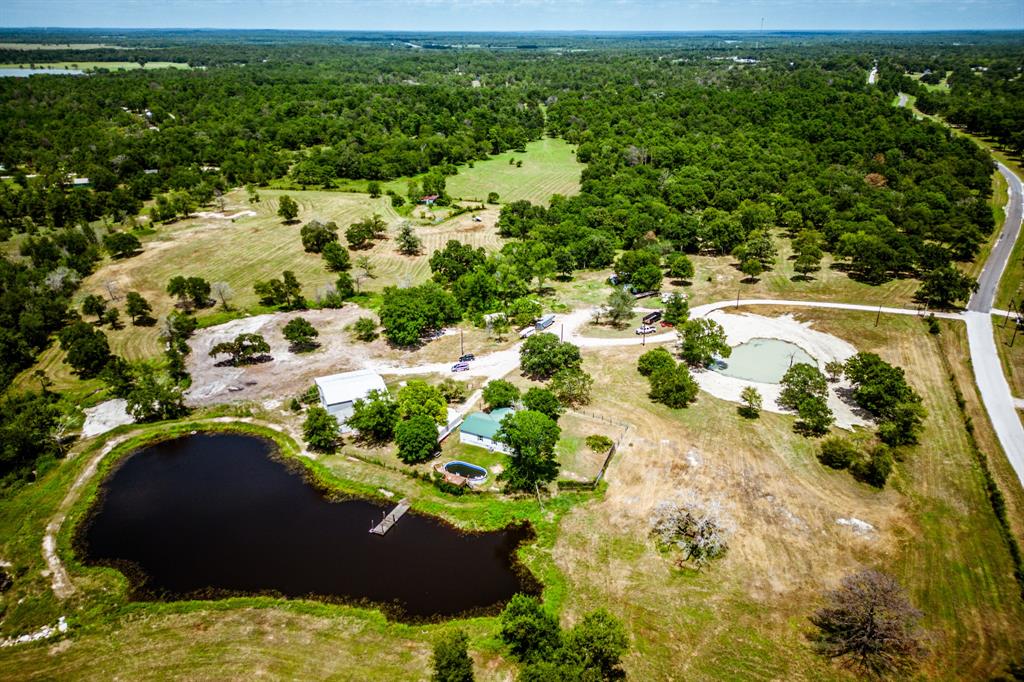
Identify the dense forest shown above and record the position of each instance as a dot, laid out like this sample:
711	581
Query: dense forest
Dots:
696	144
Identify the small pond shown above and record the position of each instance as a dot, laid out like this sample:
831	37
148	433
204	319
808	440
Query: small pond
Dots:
762	360
212	515
470	471
25	73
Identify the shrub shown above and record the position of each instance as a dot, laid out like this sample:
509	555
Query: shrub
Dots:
365	329
599	443
654	360
529	631
673	387
838	453
875	469
451	661
453	391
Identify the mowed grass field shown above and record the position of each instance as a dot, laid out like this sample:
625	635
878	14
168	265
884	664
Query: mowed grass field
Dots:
549	167
250	249
745	617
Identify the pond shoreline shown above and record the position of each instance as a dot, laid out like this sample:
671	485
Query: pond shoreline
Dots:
278	450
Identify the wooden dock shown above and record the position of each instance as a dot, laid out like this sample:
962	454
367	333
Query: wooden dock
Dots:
391	518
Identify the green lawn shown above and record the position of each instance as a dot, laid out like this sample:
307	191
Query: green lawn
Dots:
549	167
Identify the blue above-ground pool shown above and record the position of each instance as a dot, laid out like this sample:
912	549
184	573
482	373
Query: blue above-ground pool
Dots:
474	473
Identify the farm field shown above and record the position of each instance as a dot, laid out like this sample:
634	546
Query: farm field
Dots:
549	167
93	66
61	46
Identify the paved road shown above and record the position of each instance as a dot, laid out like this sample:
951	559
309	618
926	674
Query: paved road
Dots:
985	296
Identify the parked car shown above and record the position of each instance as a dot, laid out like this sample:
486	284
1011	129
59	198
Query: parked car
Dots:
460	367
666	324
646	329
468	357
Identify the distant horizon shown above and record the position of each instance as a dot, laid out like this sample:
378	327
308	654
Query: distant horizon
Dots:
551	31
521	16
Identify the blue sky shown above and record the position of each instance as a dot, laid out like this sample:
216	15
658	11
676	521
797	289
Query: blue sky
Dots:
519	15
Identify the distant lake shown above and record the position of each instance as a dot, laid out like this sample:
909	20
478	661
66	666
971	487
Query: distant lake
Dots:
25	73
213	515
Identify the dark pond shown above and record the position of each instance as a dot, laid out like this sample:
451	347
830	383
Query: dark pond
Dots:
210	515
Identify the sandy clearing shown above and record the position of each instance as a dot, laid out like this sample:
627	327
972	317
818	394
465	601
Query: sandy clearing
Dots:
217	215
822	347
288	373
105	416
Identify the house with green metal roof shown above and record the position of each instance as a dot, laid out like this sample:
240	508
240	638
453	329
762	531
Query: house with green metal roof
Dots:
479	429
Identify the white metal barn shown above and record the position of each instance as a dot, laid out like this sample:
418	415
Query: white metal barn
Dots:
338	392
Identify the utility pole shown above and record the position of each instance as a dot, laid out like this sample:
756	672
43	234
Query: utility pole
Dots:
1013	306
462	343
878	315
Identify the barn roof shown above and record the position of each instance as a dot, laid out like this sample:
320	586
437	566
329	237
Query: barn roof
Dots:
349	386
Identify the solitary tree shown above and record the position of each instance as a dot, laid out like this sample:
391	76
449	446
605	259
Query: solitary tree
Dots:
870	626
336	257
696	527
680	266
301	334
800	382
94	304
451	659
834	369
223	292
320	429
408	241
86	349
620	306
677	309
945	286
751	406
122	244
137	308
654	360
572	386
287	209
702	340
543	354
673	387
316	236
531	436
815	416
416	438
243	349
